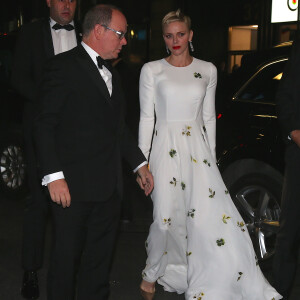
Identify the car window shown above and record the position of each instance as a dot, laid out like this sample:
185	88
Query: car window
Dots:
262	86
7	43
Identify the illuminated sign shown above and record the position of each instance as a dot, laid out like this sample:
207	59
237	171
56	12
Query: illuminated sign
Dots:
292	4
284	11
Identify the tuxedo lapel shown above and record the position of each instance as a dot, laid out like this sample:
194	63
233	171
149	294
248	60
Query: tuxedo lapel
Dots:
47	39
91	69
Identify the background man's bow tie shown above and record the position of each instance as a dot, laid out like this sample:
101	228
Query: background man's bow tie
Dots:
68	27
101	62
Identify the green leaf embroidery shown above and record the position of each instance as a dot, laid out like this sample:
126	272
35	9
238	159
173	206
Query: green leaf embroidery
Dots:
172	152
240	275
182	185
225	218
241	225
220	242
206	162
212	193
143	274
166	252
226	192
204	128
197	75
188	253
191	213
167	221
193	159
174	181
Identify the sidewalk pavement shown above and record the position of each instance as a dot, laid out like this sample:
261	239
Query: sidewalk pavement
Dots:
129	256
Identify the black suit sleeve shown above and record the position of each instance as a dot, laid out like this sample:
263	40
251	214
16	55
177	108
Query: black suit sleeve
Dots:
52	95
22	79
130	151
288	94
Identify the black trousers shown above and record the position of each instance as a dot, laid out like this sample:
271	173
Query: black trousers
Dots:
285	260
84	237
36	212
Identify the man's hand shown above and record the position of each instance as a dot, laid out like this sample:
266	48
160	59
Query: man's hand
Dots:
295	135
145	179
59	192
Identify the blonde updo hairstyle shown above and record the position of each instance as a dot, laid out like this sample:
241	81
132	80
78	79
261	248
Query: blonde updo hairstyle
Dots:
176	16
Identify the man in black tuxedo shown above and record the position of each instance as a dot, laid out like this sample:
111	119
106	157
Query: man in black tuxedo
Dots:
80	137
288	104
37	42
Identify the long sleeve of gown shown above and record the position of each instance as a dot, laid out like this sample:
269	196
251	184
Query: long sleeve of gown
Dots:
146	110
209	113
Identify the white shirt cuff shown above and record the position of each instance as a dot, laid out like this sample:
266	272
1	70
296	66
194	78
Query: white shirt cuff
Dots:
52	177
139	166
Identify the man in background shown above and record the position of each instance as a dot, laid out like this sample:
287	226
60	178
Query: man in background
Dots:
37	42
287	243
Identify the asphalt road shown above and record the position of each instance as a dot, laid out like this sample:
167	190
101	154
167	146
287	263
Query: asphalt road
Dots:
128	262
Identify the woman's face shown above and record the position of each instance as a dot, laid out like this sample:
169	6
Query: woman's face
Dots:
177	36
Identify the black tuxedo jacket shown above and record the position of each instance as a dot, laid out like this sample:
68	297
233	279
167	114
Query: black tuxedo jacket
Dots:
288	94
34	47
80	129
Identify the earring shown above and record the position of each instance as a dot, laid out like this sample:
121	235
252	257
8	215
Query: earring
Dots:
191	46
168	51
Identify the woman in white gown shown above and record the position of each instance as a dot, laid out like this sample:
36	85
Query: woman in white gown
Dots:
198	243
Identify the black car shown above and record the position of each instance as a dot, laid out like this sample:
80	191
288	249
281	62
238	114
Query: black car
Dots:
251	150
12	163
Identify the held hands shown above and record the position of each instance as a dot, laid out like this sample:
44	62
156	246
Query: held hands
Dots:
295	135
145	179
59	192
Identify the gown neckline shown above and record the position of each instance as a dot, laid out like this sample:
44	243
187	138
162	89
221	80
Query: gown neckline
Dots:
164	60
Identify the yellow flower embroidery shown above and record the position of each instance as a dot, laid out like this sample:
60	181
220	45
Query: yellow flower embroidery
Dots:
167	221
241	225
187	131
198	296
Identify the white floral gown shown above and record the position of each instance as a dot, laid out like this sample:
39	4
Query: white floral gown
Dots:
198	243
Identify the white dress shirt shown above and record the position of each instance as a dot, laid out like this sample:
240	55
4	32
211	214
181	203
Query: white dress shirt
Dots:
104	72
107	77
63	40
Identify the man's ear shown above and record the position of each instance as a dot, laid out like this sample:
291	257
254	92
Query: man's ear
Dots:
98	31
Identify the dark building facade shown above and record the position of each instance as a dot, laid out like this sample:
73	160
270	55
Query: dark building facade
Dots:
212	22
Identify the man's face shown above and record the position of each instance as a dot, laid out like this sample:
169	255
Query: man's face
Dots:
62	11
111	44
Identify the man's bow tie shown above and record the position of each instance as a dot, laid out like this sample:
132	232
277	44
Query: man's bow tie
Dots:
101	62
68	27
